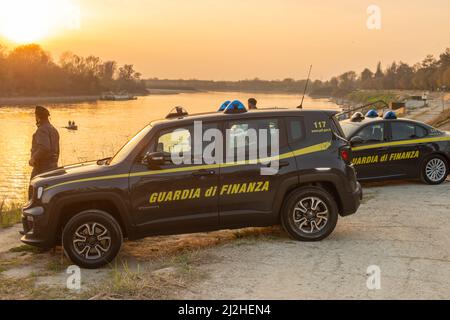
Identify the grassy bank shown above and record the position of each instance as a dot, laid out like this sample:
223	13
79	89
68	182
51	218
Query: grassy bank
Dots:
441	119
368	96
9	214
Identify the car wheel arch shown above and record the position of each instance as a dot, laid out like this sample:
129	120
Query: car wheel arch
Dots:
326	185
97	223
304	193
430	156
69	206
435	153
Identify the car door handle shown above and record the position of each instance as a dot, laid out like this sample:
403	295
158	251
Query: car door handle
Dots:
281	164
383	149
203	172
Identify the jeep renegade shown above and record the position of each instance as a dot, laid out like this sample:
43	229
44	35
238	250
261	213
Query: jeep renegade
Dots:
91	207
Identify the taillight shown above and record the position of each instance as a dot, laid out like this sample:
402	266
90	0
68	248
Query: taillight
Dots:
346	155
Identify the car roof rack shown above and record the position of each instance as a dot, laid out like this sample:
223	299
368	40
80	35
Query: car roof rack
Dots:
177	113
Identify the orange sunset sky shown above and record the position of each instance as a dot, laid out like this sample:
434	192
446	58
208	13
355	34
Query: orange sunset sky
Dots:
231	39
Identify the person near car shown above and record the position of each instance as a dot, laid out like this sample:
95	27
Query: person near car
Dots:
45	144
252	104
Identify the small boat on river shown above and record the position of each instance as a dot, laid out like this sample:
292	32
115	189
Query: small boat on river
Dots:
121	96
71	126
74	127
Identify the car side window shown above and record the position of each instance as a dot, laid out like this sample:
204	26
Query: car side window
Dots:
421	132
240	134
178	141
406	131
296	130
372	133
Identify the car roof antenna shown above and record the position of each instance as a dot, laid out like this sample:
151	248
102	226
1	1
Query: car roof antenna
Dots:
306	87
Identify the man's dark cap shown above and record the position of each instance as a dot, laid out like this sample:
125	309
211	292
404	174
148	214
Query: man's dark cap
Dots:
42	112
252	101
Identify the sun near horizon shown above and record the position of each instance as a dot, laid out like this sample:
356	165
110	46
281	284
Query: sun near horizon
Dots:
27	21
231	40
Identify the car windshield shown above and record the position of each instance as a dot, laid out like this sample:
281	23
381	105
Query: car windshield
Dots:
129	146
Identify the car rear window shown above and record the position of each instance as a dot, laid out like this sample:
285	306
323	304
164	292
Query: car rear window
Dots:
348	128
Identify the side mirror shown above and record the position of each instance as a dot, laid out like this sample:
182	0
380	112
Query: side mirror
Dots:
156	159
356	140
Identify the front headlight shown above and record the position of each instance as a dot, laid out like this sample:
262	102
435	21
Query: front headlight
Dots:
39	193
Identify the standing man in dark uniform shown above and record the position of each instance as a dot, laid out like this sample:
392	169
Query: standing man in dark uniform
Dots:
45	145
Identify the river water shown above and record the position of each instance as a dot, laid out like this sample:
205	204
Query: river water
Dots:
103	127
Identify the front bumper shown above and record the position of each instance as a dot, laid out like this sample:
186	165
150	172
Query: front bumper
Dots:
351	201
35	227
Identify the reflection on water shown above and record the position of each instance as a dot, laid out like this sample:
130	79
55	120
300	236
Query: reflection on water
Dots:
103	127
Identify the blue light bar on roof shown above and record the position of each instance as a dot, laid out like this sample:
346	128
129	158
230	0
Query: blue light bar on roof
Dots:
372	113
390	115
235	107
224	105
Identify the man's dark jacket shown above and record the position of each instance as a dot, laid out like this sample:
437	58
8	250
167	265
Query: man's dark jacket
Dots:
45	148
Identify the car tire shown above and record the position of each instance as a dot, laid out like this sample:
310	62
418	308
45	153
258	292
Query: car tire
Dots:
434	169
309	214
92	239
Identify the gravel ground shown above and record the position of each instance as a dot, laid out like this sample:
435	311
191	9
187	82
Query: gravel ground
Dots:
9	238
401	227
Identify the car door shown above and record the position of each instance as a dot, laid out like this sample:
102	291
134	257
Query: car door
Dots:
370	154
406	149
174	198
248	195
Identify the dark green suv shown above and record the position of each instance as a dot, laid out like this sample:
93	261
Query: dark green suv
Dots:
91	207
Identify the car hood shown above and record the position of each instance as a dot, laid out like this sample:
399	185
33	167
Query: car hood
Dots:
70	172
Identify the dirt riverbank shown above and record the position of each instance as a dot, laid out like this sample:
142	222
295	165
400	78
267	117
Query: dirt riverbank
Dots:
402	227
